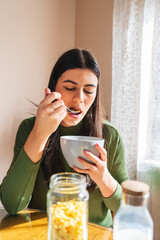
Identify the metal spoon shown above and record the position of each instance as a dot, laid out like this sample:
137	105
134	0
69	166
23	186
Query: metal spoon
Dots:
69	110
72	111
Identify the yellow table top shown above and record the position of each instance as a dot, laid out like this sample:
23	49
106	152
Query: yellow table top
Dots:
32	224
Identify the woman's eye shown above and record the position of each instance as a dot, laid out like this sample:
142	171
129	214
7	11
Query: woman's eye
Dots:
88	92
69	89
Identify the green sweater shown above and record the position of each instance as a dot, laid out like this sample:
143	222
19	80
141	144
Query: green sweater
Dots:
24	183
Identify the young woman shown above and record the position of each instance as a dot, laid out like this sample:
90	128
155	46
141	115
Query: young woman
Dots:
74	83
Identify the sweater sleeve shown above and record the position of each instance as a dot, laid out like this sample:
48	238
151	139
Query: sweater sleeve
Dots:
116	166
113	202
17	187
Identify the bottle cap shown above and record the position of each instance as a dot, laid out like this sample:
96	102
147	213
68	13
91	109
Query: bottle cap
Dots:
135	192
135	188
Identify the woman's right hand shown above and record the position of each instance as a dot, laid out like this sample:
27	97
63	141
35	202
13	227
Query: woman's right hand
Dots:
50	113
48	118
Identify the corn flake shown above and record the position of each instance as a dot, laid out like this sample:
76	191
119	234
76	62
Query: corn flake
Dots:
69	220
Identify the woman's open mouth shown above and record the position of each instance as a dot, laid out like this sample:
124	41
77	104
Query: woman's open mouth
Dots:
74	111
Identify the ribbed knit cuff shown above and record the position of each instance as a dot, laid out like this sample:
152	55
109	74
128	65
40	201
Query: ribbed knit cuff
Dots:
113	202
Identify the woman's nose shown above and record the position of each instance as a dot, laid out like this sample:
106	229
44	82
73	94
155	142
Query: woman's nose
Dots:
79	96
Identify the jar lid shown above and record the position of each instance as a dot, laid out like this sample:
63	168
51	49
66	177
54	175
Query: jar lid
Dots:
135	188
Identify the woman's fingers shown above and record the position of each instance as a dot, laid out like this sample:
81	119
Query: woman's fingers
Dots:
86	164
47	91
89	166
50	96
79	170
92	157
102	151
56	104
59	112
98	161
51	102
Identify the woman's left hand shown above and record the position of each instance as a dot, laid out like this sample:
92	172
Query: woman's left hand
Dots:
98	171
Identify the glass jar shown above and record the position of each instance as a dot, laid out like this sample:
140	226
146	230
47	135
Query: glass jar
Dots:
67	207
132	220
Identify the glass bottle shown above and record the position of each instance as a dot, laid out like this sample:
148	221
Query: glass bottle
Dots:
132	220
67	207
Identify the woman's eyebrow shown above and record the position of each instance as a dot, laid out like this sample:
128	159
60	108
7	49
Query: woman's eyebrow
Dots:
90	85
86	85
70	81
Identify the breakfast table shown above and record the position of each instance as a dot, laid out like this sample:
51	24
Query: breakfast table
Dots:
32	224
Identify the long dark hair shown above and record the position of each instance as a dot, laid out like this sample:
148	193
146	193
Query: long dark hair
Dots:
92	126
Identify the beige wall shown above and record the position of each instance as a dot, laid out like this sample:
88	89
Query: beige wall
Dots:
94	32
32	35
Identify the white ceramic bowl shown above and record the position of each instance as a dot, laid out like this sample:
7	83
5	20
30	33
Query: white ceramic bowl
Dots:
73	147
